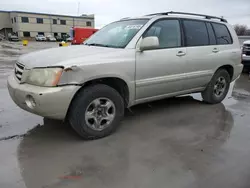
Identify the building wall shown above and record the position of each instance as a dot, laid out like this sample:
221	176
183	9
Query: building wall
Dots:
5	23
15	23
5	20
47	26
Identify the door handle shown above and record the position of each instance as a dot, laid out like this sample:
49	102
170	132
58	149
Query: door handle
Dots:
215	50
180	53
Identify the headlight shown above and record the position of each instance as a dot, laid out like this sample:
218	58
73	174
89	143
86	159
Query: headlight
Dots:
44	76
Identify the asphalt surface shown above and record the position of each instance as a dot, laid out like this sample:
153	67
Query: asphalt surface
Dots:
177	143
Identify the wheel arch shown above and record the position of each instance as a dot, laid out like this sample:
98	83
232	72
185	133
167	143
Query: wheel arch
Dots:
229	69
119	84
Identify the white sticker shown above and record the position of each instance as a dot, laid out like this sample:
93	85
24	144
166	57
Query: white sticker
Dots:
133	27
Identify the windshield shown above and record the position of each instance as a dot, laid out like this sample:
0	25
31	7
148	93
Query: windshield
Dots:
117	34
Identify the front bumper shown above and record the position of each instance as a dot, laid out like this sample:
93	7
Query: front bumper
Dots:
246	61
51	102
245	57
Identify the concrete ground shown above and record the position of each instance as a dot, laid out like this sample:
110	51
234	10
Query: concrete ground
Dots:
176	143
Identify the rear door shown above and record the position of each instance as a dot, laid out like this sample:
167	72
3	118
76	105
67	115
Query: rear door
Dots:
202	54
226	51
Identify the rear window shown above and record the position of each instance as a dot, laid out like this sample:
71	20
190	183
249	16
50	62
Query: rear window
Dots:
222	34
195	33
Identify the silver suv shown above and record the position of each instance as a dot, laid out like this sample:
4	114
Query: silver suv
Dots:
131	61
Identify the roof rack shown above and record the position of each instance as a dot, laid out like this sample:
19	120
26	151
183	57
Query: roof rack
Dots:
191	14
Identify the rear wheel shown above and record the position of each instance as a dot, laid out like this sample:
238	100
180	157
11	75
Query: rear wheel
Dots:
96	111
217	88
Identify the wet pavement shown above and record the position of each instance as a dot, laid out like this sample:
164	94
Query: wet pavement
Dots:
178	143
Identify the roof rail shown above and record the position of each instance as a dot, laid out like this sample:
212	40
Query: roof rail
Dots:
191	14
125	18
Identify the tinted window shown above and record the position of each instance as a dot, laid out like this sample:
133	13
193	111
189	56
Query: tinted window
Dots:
222	34
212	38
54	21
39	20
88	23
168	33
40	33
63	22
63	34
26	34
25	19
195	33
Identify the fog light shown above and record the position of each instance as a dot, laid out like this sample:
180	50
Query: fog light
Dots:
30	101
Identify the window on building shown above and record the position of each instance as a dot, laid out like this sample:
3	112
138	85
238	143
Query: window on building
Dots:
55	34
195	33
212	38
40	33
63	22
25	19
168	33
222	34
88	23
14	19
11	20
26	34
39	20
54	21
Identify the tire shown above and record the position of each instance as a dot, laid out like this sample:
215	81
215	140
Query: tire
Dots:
209	95
83	101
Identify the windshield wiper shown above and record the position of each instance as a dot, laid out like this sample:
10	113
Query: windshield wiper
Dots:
101	45
95	44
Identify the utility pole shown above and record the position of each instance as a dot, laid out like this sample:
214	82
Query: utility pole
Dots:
78	8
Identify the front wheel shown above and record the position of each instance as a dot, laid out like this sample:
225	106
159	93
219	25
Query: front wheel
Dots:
96	111
217	88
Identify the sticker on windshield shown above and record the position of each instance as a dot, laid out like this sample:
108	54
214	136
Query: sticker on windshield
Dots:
133	27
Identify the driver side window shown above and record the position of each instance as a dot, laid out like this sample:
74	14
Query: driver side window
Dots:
168	33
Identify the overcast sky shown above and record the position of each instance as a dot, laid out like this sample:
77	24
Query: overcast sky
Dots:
106	11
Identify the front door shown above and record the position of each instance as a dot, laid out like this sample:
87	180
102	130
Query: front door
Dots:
160	71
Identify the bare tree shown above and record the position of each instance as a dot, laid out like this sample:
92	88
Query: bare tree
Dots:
247	32
240	29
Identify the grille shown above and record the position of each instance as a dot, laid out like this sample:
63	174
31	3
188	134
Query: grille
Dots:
248	53
19	71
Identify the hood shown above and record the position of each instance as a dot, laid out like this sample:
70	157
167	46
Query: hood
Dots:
62	56
246	42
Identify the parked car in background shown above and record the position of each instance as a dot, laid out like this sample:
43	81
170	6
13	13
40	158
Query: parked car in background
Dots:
246	55
13	37
50	38
128	62
69	39
2	37
58	38
80	34
65	37
40	38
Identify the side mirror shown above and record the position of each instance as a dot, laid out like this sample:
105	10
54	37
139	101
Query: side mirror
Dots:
149	43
